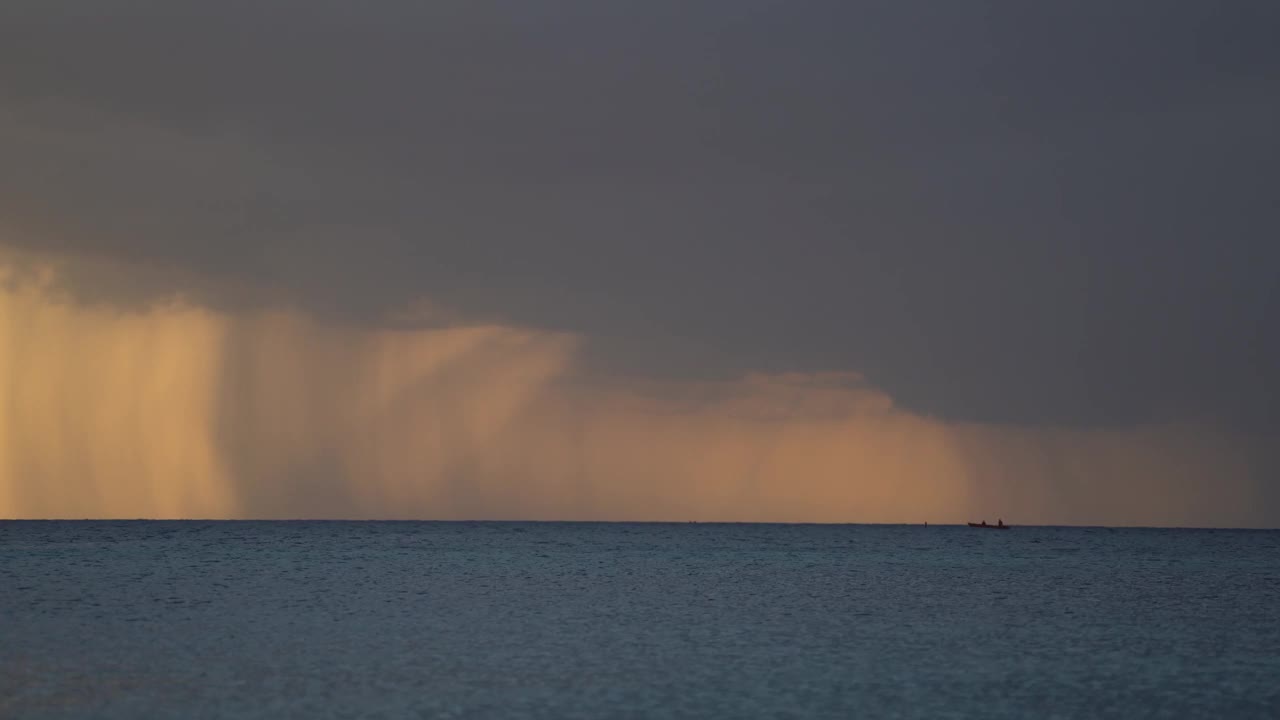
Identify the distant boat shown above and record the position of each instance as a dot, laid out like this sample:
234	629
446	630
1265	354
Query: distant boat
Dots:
998	526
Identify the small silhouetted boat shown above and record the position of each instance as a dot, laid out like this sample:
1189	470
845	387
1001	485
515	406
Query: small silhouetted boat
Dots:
998	526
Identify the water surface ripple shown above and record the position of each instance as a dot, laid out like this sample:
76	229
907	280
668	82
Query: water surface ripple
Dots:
586	620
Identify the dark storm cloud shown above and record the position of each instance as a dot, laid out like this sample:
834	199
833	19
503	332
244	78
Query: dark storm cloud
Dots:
1020	212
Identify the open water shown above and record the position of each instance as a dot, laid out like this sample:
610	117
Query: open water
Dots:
585	620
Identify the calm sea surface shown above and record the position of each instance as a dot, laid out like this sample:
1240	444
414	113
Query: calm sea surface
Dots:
583	620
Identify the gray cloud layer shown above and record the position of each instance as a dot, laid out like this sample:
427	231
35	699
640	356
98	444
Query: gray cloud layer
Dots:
997	211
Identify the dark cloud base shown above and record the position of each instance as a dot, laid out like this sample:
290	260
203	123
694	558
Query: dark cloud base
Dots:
996	211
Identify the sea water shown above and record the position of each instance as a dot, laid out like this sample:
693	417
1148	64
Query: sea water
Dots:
599	620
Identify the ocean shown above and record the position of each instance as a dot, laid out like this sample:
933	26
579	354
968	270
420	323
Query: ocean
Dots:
602	620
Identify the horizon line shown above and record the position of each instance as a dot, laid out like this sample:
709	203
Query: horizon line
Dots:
634	522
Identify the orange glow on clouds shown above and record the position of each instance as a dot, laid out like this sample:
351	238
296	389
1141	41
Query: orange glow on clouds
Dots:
175	410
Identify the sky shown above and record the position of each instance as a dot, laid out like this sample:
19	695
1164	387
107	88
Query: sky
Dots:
820	261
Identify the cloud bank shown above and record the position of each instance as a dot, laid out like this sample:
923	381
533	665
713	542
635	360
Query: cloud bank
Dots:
176	410
997	211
